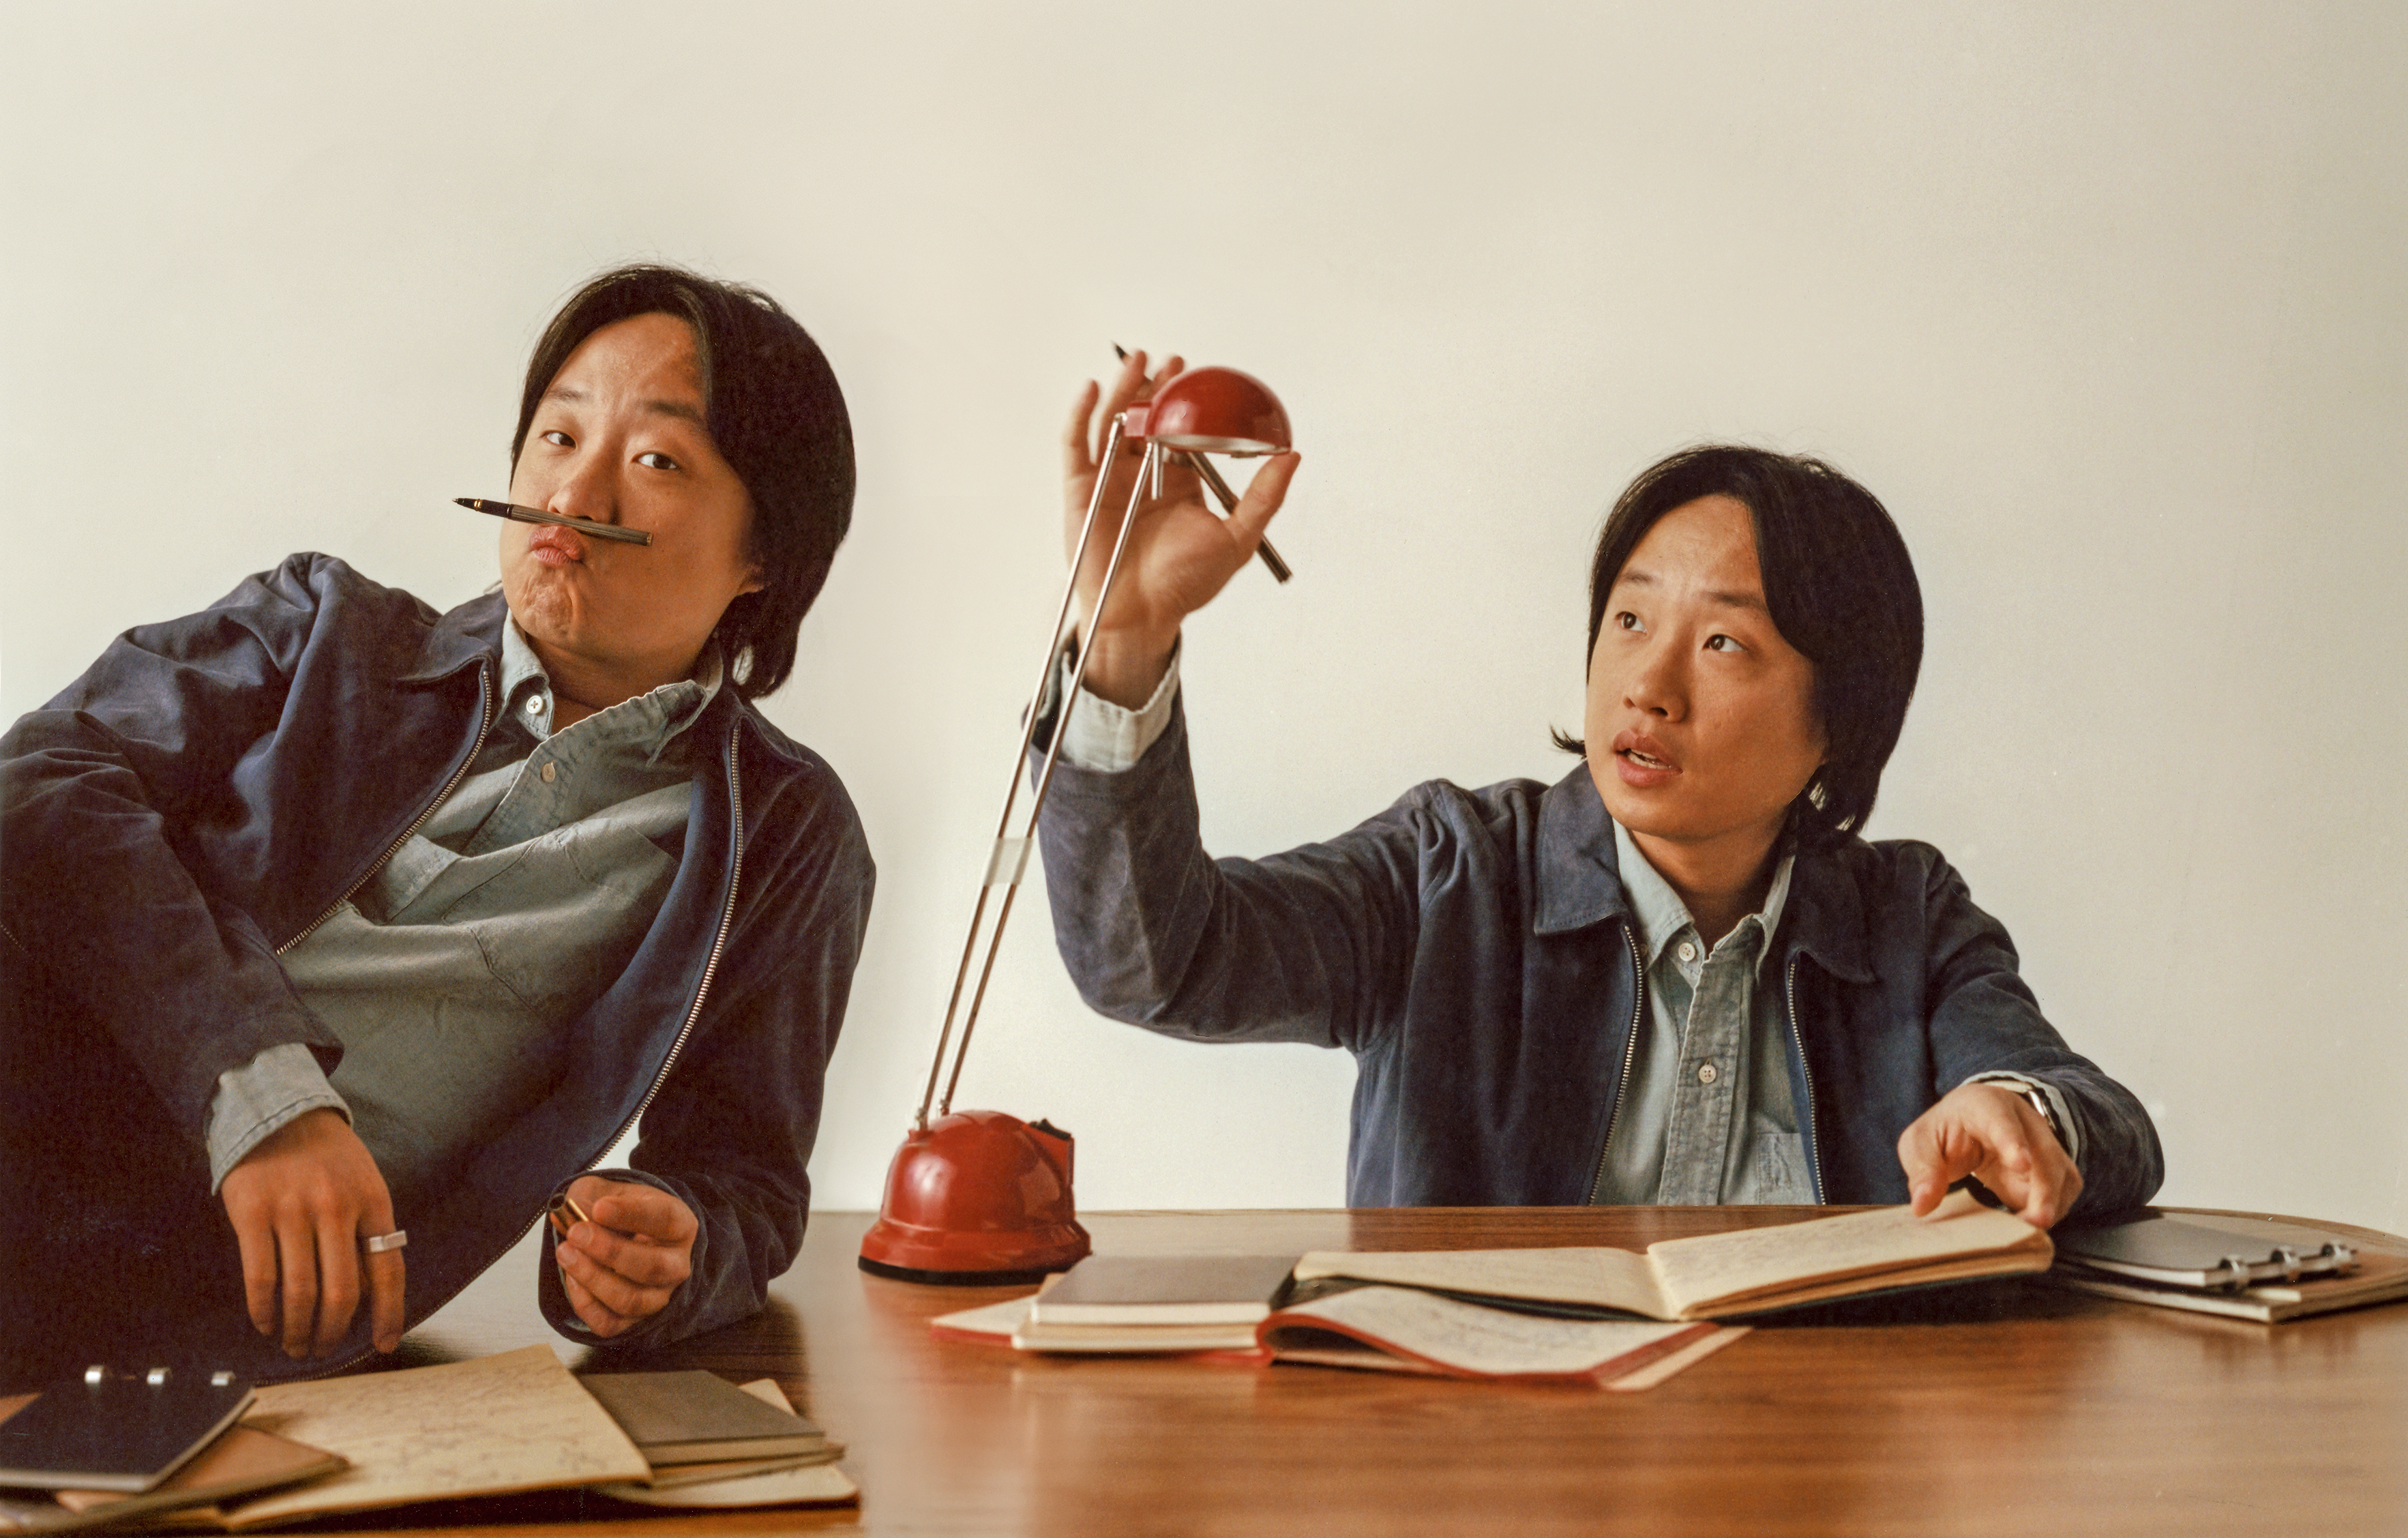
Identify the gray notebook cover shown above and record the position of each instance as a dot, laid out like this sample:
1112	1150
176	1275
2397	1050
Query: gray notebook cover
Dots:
2193	1248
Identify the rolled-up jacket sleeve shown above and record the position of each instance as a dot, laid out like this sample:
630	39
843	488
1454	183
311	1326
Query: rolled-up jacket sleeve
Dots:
1985	1019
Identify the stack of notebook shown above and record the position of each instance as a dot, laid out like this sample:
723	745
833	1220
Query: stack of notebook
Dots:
711	1443
112	1448
118	1449
2248	1268
1116	1304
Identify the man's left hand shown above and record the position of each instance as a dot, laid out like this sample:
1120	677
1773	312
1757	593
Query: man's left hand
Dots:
1993	1134
625	1263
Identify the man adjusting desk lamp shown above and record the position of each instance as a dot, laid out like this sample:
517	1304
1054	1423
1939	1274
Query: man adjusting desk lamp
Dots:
981	1196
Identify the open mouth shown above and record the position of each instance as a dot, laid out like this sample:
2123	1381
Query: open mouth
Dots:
1645	760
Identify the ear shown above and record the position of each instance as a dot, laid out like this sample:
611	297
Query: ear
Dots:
755	580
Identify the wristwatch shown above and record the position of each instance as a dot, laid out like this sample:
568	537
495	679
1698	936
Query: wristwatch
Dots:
2039	1103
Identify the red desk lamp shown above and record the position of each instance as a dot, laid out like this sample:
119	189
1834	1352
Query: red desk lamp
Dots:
978	1197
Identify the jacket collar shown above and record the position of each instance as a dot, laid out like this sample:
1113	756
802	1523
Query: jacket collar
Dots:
1579	876
1580	884
473	631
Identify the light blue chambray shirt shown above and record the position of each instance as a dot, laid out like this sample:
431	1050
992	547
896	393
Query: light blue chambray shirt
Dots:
450	974
1706	1113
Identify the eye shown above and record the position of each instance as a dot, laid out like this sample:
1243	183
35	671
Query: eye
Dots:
558	439
656	460
1723	643
1628	621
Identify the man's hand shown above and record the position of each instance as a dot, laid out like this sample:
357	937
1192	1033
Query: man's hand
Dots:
1180	554
625	1261
1993	1134
300	1203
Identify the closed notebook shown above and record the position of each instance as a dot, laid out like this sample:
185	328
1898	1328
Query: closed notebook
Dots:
801	1480
2206	1250
1174	1290
120	1433
698	1418
243	1461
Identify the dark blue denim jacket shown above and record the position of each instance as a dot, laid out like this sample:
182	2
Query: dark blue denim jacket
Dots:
1475	950
213	784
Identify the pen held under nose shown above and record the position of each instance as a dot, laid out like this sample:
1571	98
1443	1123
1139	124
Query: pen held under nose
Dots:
516	513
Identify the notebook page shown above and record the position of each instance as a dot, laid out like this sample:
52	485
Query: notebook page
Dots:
1597	1275
1724	1268
1486	1342
490	1426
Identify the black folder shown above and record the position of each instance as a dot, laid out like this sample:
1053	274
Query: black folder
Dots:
110	1431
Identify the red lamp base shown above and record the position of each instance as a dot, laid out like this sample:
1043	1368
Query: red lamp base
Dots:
977	1199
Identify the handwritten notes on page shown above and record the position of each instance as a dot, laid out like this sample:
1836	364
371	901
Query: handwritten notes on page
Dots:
1444	1335
1828	1257
494	1426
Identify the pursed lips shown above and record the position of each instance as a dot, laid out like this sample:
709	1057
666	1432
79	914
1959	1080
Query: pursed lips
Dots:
555	545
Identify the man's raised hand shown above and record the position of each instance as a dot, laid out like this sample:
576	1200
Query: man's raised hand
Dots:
1181	553
300	1203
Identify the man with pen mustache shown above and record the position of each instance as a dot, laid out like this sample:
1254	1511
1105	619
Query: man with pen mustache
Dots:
341	936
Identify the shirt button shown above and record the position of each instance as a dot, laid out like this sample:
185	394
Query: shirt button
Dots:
1685	950
549	771
534	705
1705	1072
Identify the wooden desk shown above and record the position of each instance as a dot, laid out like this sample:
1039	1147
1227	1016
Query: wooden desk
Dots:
2006	1408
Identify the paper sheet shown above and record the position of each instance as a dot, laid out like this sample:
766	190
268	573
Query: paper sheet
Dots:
494	1426
1483	1342
1731	1268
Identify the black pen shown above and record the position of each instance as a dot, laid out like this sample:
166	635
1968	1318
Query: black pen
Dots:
1227	498
536	515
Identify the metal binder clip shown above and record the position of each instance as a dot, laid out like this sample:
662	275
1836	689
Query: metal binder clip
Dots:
2344	1256
221	1380
95	1376
2289	1258
2236	1275
156	1376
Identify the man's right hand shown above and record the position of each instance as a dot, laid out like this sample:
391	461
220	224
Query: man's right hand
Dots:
1180	554
300	1203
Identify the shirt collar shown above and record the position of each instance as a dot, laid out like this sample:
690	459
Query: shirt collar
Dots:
1660	913
662	713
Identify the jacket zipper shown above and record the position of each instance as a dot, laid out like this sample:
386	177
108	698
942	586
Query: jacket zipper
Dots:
718	941
1629	1053
484	728
1806	1070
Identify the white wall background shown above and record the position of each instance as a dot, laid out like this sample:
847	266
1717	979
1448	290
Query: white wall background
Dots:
2105	301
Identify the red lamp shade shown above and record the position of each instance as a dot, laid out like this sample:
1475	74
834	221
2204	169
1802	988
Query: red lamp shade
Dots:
977	1198
1213	410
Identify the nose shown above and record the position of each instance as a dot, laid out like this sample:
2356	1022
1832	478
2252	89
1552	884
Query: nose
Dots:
1658	683
585	489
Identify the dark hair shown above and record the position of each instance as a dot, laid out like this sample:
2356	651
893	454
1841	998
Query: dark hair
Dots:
778	418
1841	588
